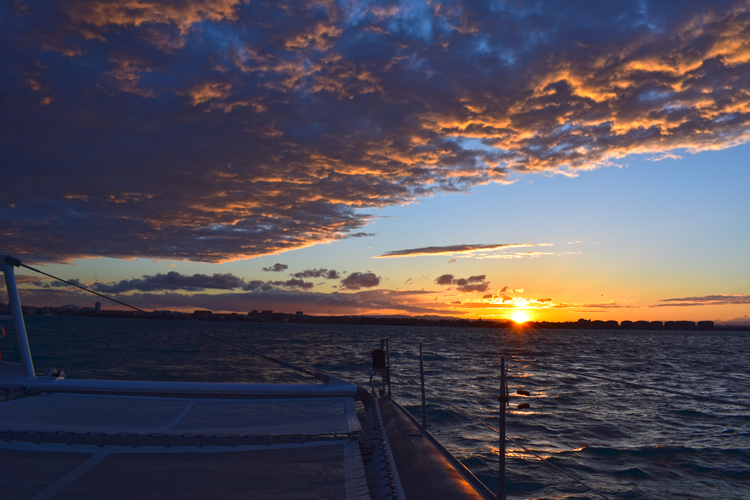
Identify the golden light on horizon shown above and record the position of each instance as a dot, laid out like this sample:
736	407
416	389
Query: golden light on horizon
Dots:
520	316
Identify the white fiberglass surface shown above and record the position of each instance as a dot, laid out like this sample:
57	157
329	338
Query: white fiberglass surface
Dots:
146	415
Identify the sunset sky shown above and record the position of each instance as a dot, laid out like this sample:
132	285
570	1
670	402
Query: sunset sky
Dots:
466	159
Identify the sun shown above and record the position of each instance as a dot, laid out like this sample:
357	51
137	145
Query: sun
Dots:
520	317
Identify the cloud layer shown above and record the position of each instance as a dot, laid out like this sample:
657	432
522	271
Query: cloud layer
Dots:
705	300
450	250
284	300
174	281
465	285
170	281
212	130
331	274
276	268
357	281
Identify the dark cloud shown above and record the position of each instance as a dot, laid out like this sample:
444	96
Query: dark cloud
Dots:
172	281
445	279
450	250
291	300
355	281
331	274
255	285
744	320
213	131
293	283
60	284
481	287
277	268
22	279
705	300
361	235
465	285
471	279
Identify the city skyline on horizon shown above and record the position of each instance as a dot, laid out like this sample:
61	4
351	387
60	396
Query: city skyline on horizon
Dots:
269	316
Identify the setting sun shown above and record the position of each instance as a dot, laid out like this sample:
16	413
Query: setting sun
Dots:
520	317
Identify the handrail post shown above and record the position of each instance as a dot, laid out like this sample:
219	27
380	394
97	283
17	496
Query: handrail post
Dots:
503	399
388	362
421	374
7	263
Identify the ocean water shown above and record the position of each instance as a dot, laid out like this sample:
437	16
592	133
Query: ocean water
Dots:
626	443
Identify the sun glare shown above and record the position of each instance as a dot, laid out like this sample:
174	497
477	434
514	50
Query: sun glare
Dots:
520	317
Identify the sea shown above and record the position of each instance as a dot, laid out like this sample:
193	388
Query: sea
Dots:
624	442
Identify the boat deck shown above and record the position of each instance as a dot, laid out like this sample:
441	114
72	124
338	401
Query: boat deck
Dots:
426	470
101	413
120	439
323	471
60	446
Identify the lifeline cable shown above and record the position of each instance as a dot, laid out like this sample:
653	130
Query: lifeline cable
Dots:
641	386
472	417
515	357
287	364
634	384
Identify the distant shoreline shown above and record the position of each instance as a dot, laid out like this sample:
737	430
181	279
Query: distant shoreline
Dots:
301	318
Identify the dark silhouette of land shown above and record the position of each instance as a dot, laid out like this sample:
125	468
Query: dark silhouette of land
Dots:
268	316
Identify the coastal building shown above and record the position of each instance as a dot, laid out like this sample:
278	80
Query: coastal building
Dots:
679	325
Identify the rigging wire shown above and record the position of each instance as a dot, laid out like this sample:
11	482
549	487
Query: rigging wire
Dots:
281	362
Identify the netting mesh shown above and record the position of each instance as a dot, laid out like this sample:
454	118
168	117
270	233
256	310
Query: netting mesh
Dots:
311	473
148	415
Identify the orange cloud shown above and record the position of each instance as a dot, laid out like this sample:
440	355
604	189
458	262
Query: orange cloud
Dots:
127	73
253	127
135	13
207	91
